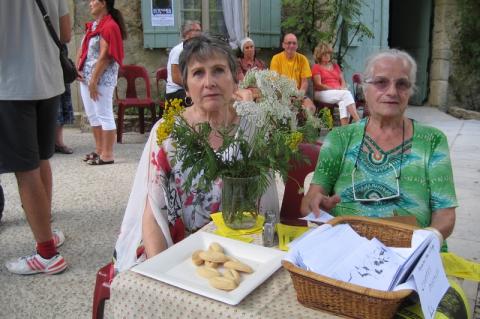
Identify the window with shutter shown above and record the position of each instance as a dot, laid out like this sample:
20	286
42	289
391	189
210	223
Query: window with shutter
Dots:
208	12
263	19
264	22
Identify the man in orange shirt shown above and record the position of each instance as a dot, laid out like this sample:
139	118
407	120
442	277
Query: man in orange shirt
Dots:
294	65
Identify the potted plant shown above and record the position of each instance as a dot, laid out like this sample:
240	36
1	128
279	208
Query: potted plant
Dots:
264	142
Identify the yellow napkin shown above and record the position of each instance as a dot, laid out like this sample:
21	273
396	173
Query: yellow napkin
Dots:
287	233
224	230
460	267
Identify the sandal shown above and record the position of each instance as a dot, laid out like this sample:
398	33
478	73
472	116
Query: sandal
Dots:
99	161
91	157
63	149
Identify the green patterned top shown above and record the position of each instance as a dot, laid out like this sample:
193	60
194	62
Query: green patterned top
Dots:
426	179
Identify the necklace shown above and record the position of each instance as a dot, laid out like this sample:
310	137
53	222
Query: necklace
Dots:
363	141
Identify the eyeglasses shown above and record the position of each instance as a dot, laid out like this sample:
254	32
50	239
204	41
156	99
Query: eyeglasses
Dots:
377	199
290	43
397	176
382	83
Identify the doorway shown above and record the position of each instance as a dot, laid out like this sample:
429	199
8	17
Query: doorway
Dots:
410	28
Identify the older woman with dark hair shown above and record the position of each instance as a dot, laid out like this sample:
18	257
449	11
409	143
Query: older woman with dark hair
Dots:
159	212
386	164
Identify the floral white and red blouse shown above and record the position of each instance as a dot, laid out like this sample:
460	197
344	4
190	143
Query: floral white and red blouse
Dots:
177	212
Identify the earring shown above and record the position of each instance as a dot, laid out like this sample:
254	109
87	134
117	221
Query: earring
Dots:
188	101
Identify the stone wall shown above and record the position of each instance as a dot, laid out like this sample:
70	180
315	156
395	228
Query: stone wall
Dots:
450	84
441	58
442	67
134	51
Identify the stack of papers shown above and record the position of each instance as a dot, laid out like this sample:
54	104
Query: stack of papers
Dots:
340	253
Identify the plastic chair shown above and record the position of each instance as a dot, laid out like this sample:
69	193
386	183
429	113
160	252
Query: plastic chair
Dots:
358	94
102	290
290	211
131	73
161	75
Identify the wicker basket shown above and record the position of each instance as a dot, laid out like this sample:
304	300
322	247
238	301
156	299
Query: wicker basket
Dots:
338	297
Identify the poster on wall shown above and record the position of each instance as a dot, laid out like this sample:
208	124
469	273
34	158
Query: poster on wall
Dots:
162	13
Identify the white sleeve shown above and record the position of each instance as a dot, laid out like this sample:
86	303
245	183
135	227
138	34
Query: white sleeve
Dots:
130	235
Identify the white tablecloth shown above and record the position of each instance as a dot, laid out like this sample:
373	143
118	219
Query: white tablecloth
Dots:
136	296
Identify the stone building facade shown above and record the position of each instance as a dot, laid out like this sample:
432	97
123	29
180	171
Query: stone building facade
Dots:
442	57
442	61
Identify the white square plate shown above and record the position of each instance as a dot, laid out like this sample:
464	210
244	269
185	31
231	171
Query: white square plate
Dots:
174	266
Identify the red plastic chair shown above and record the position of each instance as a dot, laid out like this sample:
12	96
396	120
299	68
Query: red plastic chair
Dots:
358	94
161	75
131	73
102	286
290	211
102	290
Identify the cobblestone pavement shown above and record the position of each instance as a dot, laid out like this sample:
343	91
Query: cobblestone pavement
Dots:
89	201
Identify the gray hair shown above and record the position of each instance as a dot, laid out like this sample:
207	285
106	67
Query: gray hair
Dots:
187	26
203	48
406	58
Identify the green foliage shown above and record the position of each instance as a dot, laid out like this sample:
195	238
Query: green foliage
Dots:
265	141
333	21
326	117
466	80
469	33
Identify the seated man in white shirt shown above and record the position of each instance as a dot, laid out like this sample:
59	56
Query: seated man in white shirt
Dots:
174	88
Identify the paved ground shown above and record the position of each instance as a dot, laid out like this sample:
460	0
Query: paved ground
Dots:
89	203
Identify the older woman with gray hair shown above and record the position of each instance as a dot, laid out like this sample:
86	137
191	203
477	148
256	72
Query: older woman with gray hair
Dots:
159	213
247	59
387	164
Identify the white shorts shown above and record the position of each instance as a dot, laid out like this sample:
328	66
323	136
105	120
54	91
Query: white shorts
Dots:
100	112
341	97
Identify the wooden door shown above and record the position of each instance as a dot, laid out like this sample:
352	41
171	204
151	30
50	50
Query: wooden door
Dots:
375	16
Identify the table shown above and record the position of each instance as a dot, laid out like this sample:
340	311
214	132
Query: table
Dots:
135	296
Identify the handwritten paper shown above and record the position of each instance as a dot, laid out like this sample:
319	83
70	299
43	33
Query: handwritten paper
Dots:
430	279
322	218
371	265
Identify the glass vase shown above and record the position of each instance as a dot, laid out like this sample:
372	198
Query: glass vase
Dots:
240	201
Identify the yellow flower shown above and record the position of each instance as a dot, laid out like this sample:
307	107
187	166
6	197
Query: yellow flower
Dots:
327	117
293	140
172	109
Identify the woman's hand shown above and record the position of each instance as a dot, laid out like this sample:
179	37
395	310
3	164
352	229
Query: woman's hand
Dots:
316	200
92	88
243	95
102	63
256	93
80	76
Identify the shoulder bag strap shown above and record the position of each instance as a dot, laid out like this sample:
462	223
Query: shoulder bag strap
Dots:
50	28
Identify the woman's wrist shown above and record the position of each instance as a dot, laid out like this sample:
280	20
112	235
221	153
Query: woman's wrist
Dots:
437	233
